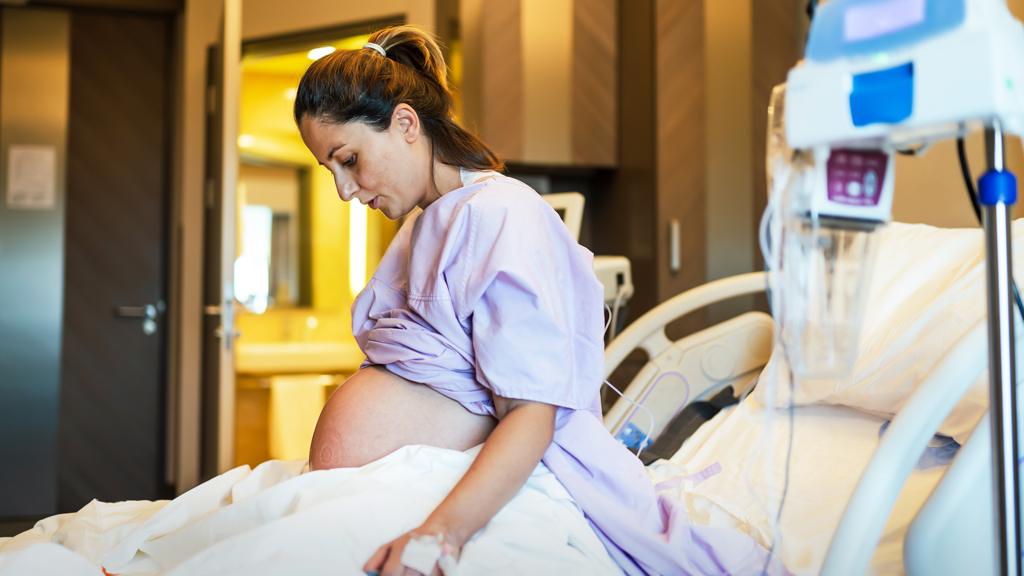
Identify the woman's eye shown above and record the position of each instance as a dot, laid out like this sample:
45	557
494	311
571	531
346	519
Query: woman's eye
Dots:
350	161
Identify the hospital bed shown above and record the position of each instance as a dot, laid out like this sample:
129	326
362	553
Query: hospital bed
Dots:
851	473
732	487
864	486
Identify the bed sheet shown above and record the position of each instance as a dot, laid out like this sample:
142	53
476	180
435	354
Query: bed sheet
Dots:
730	473
275	520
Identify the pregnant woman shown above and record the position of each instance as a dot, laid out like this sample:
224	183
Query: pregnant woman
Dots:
482	324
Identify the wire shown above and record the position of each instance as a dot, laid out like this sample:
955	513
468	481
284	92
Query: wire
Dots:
785	477
965	171
812	7
607	322
919	150
972	193
614	320
640	406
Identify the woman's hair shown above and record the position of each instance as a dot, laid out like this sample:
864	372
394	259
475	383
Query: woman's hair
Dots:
365	86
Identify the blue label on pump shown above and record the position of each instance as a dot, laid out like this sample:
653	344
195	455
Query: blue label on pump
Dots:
883	96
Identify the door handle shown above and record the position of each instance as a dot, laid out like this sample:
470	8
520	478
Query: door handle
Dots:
147	312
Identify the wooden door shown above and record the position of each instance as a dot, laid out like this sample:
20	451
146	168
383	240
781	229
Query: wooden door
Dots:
224	65
113	423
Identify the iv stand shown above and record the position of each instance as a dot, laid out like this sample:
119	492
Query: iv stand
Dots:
997	192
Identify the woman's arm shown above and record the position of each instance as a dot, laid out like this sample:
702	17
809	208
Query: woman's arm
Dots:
506	460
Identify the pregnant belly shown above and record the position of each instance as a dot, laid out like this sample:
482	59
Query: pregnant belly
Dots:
376	412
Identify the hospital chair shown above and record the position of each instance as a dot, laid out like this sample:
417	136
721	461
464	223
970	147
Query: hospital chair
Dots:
952	533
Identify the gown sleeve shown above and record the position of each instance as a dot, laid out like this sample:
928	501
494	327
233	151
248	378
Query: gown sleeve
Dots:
536	306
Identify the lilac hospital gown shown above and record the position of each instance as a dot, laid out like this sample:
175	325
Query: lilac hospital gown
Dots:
485	292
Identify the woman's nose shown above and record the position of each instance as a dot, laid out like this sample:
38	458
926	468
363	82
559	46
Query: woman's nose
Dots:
346	188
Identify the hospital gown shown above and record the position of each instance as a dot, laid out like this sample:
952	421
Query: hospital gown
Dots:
485	292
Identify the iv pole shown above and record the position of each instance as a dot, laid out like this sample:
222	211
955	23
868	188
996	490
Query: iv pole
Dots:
997	192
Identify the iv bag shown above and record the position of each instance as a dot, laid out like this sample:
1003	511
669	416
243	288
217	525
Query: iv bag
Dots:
821	284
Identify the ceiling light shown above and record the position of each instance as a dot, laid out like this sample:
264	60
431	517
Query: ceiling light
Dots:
318	53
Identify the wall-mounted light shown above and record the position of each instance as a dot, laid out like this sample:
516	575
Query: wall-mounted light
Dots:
320	52
246	140
290	93
356	247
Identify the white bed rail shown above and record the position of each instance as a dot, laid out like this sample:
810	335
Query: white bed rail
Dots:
867	511
648	332
699	365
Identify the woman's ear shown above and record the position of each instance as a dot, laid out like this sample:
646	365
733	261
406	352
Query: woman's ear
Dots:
407	121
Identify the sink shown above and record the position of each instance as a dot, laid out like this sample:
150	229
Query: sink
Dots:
297	357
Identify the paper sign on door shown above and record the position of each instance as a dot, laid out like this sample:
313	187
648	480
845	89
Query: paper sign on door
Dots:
32	177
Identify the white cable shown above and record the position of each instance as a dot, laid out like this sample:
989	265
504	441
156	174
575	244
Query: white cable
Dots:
650	415
763	231
614	321
771	240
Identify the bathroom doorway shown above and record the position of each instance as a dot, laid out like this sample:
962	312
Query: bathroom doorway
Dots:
298	257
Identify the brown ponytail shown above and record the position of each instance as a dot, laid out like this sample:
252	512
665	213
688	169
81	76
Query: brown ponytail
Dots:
364	86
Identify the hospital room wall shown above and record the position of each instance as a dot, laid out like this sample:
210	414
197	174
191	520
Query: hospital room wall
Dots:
709	70
930	188
752	46
200	26
34	101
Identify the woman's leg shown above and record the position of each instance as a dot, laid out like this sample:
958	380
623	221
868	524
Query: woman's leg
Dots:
376	412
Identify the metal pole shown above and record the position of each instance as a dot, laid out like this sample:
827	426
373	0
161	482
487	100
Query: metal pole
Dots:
996	203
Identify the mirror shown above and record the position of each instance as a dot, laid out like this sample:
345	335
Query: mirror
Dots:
272	266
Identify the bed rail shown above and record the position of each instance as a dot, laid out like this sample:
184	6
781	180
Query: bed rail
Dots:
696	366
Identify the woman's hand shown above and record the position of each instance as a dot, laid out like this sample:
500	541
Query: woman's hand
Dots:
387	560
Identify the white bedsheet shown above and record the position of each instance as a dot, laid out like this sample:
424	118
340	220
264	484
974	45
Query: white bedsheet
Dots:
832	445
274	520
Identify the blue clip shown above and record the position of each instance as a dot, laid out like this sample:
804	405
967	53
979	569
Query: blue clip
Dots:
633	437
997	187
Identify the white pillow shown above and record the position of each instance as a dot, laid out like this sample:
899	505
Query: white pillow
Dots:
926	293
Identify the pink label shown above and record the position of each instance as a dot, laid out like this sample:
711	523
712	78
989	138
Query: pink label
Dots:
855	177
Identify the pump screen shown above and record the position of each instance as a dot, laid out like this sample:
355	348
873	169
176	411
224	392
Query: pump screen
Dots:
872	19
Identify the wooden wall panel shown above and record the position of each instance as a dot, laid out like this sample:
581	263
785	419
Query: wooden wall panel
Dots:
501	92
778	35
540	83
594	88
624	217
680	139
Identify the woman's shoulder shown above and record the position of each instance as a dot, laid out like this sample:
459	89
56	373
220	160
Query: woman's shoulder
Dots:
501	198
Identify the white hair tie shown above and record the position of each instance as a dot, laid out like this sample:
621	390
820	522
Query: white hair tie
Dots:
377	47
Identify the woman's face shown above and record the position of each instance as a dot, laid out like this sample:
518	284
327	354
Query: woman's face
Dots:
388	171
